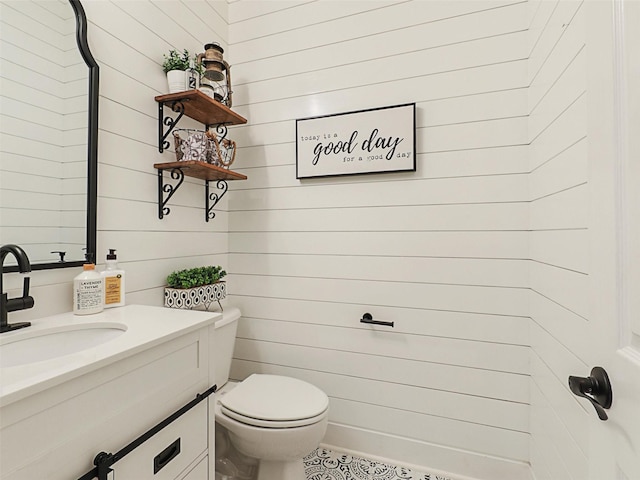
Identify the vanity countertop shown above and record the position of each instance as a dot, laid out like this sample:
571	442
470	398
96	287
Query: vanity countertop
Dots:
145	327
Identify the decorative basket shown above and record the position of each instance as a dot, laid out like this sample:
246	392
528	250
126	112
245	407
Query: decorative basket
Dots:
226	152
188	298
204	146
194	145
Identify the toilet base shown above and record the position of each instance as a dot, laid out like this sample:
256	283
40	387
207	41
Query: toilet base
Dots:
270	453
270	470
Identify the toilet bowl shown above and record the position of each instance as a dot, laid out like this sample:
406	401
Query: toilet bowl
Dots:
272	419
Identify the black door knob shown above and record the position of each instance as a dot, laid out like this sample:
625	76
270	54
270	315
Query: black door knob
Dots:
595	388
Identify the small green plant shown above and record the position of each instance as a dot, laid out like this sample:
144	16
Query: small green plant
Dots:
176	61
195	277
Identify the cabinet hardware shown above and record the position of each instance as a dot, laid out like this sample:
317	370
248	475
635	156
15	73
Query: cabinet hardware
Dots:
164	457
103	461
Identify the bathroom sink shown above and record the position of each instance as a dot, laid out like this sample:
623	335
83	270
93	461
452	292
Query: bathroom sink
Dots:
30	347
63	347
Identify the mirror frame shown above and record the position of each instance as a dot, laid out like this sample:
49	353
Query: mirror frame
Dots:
92	148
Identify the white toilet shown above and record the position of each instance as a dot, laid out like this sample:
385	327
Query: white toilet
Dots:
272	419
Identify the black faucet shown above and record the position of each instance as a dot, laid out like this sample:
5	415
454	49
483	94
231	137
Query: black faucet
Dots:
14	304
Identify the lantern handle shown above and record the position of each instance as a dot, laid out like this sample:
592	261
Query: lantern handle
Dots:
229	91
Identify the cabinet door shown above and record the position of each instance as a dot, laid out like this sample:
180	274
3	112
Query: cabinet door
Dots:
165	455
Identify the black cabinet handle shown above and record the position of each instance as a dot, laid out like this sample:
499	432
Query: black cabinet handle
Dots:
595	388
104	461
165	456
367	318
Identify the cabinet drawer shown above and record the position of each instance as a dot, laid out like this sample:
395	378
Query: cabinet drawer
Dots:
165	455
199	472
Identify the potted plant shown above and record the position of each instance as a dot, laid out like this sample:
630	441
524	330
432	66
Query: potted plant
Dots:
194	287
175	66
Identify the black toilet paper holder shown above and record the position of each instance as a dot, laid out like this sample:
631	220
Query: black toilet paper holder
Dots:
368	318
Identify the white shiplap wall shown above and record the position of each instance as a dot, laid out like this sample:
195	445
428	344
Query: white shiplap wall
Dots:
559	238
490	230
128	40
442	251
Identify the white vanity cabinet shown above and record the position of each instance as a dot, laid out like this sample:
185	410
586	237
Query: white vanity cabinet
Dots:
171	453
55	433
198	472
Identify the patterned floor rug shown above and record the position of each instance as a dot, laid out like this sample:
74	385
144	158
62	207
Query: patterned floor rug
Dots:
323	464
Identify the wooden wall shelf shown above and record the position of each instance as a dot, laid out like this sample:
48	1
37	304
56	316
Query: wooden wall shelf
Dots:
204	109
201	107
201	170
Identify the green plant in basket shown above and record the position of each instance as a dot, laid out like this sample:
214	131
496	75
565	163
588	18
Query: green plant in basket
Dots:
195	277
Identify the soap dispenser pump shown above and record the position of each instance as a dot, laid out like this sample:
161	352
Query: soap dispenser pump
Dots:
113	282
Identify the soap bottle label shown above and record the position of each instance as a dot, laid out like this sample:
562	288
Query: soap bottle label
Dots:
89	294
112	289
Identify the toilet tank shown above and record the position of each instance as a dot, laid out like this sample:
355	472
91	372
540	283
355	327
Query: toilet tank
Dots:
223	342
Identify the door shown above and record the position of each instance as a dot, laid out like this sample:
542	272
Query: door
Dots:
613	42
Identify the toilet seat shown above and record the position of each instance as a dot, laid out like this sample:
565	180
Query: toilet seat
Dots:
256	422
274	401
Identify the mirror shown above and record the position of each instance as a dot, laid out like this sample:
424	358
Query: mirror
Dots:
48	132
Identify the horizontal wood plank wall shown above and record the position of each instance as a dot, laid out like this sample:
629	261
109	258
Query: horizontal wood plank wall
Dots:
442	252
128	40
559	237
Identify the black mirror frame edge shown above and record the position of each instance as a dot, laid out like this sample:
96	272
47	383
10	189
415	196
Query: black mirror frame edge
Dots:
92	148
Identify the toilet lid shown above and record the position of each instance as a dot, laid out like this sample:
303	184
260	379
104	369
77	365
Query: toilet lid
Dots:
275	398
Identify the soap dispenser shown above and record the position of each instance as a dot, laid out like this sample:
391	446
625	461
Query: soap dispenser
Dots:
113	282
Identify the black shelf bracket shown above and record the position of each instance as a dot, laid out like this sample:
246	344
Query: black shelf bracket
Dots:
168	122
166	190
212	198
221	130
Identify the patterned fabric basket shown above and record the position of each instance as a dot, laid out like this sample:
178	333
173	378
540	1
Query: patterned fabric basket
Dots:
203	146
188	298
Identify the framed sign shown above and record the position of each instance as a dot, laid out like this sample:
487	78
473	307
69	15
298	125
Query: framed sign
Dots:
378	140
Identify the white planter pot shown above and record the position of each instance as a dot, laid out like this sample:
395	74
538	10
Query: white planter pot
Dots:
189	298
176	80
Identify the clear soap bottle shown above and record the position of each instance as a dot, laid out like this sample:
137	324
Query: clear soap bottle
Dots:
113	282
